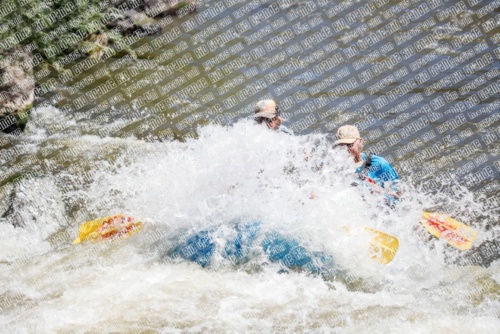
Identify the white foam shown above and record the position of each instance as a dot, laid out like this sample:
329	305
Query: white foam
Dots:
238	172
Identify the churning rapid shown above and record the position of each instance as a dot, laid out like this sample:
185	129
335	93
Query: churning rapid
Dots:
237	173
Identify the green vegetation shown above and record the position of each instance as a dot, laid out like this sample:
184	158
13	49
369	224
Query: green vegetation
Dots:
56	27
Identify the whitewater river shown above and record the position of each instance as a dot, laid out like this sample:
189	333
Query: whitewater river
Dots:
229	174
196	162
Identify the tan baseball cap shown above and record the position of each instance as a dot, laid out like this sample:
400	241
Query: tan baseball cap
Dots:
346	134
264	114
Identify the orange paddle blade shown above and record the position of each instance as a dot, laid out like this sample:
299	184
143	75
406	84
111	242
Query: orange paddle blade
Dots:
452	231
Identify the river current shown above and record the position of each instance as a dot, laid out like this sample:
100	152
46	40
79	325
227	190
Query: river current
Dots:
178	153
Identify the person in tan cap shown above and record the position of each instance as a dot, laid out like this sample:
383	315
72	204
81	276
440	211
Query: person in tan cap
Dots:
369	167
267	112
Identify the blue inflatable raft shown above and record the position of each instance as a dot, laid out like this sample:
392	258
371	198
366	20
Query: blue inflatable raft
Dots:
247	243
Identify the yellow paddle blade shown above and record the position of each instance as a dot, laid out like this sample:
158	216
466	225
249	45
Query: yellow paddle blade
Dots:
452	231
108	227
87	228
383	247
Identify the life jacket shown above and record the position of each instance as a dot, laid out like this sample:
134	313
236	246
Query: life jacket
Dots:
365	167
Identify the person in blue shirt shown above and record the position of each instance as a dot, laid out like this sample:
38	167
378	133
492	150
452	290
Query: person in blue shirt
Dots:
372	169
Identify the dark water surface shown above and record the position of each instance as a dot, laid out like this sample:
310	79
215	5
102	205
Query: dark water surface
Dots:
418	78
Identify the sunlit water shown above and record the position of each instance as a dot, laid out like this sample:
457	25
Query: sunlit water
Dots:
237	173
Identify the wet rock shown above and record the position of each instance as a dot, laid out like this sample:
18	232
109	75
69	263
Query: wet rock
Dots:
162	8
150	16
7	211
141	17
17	90
132	21
32	200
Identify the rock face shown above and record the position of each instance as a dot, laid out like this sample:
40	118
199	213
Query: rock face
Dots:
17	89
141	17
132	21
162	8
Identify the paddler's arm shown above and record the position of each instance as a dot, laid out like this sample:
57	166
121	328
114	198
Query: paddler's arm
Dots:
395	194
390	196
